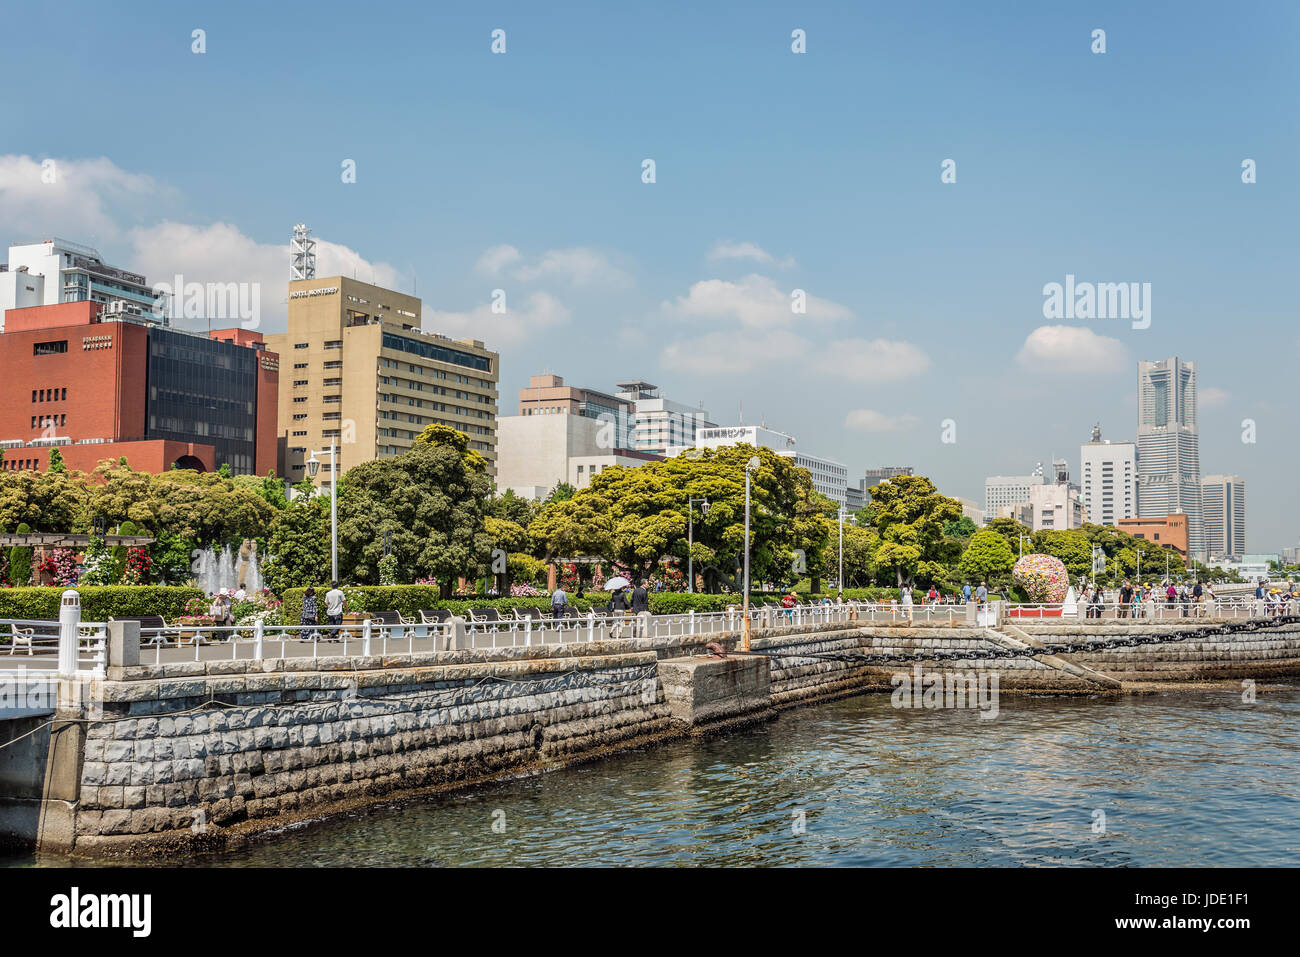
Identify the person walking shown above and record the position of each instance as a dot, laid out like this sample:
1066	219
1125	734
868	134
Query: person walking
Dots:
1125	598
334	599
308	616
559	601
618	604
640	603
906	592
965	593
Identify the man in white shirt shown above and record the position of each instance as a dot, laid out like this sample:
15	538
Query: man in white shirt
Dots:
334	606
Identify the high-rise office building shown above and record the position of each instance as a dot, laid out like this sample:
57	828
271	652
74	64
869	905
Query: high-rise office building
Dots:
56	271
1223	513
1108	479
1001	492
659	422
1168	446
359	373
548	395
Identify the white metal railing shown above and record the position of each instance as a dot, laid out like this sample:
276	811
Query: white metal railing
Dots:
261	641
1159	609
27	643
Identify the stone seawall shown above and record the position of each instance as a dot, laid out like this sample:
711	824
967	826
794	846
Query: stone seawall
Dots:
207	754
201	757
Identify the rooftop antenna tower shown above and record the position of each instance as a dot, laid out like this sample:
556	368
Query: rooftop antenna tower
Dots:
302	254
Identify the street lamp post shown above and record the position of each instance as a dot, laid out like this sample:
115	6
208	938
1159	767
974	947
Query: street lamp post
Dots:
840	578
313	466
751	466
690	538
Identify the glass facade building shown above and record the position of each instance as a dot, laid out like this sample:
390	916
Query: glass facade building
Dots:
203	390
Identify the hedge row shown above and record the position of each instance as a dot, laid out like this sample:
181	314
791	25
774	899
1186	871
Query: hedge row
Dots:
98	602
409	599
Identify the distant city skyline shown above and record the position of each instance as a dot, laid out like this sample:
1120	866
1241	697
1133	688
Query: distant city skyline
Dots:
928	335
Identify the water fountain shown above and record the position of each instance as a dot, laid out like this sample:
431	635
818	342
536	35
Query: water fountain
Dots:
215	570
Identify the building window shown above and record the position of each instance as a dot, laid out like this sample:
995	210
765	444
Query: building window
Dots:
298	382
300	398
300	365
50	348
300	345
334	344
336	364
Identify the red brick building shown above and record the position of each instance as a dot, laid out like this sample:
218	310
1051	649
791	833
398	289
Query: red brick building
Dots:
98	387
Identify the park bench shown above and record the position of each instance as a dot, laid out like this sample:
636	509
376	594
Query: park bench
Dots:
528	614
485	616
434	616
21	636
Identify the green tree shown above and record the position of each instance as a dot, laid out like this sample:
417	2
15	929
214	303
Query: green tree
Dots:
910	515
49	501
433	500
56	462
298	545
963	527
987	558
561	493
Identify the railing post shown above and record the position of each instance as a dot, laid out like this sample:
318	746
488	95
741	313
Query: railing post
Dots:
69	631
259	631
691	616
365	637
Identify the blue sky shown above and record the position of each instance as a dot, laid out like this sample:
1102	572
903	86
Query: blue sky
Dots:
775	171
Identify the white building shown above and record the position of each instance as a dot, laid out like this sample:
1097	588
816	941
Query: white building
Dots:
1108	479
54	271
829	477
971	510
658	422
1002	492
1223	512
1056	506
535	453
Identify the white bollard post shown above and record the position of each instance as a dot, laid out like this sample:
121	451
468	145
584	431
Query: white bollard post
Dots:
691	615
69	626
528	631
258	632
365	637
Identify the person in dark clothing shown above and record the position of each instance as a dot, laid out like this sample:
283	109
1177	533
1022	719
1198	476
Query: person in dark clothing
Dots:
1125	599
618	605
640	599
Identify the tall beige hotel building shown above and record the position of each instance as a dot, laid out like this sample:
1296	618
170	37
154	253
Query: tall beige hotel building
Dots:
357	371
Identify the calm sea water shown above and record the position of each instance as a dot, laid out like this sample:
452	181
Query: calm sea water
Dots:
1182	779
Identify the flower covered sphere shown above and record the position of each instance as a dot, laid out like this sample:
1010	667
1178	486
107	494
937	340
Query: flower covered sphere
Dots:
1043	578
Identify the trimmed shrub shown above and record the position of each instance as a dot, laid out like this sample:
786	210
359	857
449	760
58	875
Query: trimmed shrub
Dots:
99	603
20	559
409	599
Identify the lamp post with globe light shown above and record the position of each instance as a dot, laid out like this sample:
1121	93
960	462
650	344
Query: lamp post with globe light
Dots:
313	466
690	537
751	466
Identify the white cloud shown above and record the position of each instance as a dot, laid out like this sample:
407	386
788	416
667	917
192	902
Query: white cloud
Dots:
755	301
724	353
221	253
869	420
497	258
88	200
538	313
727	249
1072	349
1212	397
871	360
578	266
